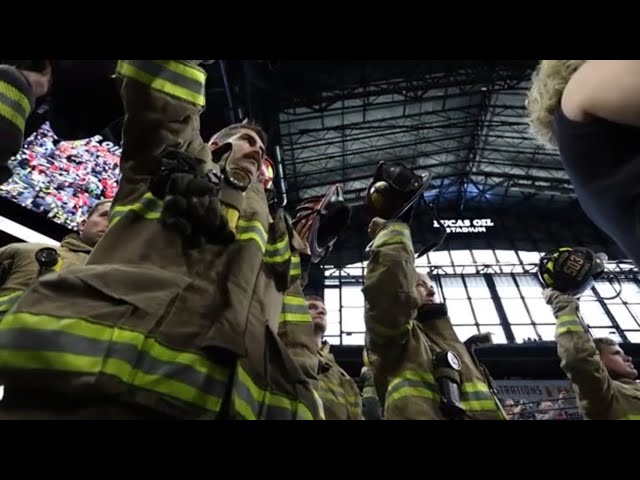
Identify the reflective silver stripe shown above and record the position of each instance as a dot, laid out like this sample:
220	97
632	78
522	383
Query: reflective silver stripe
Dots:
568	323
178	79
278	413
14	104
148	207
412	383
251	230
244	403
392	234
251	402
278	252
476	397
295	269
294	309
41	342
432	388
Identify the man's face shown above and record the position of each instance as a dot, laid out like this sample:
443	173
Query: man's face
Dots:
617	363
318	314
424	289
96	225
247	153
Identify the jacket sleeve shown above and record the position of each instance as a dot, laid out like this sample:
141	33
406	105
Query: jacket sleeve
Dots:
389	291
16	103
162	102
371	409
295	329
579	357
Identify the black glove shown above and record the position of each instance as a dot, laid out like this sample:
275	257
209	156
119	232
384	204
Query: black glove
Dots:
191	207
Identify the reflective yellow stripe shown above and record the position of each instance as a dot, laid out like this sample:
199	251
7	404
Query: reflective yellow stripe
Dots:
278	252
252	403
412	383
148	207
294	309
12	116
14	106
568	323
15	95
8	301
295	269
49	343
393	233
252	230
632	416
177	79
476	396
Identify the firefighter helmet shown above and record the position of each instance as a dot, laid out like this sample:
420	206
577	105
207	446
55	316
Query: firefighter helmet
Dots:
571	270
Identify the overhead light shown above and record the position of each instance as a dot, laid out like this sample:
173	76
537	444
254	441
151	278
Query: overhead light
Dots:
20	231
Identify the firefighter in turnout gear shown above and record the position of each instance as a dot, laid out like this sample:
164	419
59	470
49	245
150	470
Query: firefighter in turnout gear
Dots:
339	393
19	89
176	313
429	373
21	264
603	377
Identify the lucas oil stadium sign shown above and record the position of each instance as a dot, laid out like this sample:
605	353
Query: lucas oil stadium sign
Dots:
466	225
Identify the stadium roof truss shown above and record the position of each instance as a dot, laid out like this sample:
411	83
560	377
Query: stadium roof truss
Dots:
463	121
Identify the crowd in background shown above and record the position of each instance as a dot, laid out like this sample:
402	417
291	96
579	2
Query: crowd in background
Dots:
63	179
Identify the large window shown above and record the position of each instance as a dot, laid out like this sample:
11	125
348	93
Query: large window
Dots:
461	281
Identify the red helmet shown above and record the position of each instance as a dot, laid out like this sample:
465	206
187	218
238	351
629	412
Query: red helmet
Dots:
319	221
266	173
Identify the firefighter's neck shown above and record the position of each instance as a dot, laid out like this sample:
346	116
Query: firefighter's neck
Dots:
319	339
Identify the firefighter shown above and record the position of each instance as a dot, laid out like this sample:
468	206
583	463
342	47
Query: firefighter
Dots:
19	89
339	393
22	263
176	312
603	377
429	373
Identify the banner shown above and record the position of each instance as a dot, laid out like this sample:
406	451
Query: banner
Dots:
533	390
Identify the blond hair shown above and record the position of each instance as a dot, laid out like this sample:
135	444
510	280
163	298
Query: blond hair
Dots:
547	84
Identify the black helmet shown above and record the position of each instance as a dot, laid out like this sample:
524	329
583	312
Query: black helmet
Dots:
571	270
394	190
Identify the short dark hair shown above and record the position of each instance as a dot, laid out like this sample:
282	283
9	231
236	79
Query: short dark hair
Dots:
602	342
96	205
228	132
314	298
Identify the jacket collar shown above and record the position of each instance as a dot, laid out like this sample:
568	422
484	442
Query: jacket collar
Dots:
73	243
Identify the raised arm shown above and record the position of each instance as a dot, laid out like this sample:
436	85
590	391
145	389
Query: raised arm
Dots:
389	287
162	100
579	357
17	99
608	89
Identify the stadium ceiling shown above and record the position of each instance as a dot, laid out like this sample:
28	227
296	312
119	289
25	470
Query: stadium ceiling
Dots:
463	121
